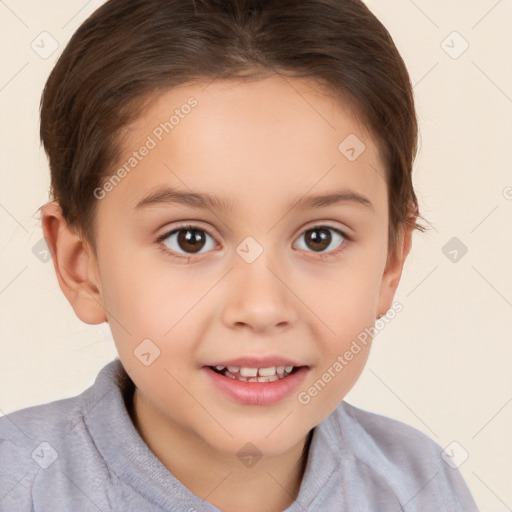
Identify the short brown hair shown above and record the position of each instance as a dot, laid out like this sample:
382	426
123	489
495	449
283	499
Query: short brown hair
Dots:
128	49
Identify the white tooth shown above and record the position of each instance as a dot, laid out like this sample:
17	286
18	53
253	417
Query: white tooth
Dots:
253	379
220	367
280	370
264	379
230	375
248	372
233	369
267	372
273	378
288	369
243	379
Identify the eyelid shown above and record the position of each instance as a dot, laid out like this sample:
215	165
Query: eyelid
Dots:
333	253
186	225
197	225
343	230
176	256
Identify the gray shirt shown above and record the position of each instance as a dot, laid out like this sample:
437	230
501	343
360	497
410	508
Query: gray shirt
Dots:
84	454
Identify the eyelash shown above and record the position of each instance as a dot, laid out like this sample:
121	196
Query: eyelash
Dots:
171	254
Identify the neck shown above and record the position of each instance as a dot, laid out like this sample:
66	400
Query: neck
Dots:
270	484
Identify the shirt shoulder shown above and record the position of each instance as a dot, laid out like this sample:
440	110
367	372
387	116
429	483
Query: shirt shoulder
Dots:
402	459
390	438
41	420
44	447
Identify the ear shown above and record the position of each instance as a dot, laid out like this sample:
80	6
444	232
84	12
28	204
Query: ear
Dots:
393	271
75	265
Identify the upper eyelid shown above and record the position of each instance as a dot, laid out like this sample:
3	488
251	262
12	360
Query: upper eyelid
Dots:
318	225
169	232
191	225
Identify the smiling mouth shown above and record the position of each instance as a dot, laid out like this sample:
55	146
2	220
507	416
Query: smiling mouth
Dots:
244	374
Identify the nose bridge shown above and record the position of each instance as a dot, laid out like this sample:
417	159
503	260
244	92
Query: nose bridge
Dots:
257	297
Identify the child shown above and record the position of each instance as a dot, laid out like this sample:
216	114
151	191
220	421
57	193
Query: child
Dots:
232	193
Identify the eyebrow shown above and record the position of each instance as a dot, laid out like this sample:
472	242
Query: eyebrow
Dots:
206	201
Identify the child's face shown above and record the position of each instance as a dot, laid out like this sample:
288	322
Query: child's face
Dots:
258	146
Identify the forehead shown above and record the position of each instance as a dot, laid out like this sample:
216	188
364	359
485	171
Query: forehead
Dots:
270	138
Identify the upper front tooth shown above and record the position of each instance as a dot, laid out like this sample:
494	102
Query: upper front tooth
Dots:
267	372
233	369
248	372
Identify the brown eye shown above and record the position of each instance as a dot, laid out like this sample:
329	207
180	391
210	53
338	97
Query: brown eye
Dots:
187	240
320	238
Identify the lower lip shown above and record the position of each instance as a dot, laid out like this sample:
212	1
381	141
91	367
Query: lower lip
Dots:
257	393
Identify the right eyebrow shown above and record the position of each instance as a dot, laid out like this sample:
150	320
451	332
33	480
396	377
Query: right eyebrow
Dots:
170	195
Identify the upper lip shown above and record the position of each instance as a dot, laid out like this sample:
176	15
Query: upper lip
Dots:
257	362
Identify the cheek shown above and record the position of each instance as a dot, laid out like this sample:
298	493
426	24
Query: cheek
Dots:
153	311
344	297
139	290
345	305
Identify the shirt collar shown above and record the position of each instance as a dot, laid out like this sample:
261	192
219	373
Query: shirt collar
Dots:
127	455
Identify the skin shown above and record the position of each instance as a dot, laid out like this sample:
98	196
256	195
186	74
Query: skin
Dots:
259	144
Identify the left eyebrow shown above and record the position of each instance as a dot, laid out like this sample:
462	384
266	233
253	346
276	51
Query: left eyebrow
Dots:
205	201
323	200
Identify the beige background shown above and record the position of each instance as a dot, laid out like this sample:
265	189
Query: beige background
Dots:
444	364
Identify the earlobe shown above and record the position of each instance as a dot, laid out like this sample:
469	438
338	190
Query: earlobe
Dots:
75	266
393	272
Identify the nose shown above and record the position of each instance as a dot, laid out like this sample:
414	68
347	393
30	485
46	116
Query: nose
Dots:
258	298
